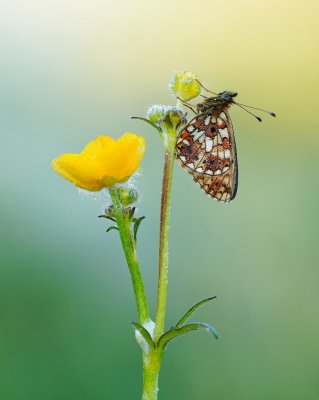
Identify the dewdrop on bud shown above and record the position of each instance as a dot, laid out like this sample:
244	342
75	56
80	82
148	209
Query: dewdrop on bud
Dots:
185	85
157	113
127	196
166	117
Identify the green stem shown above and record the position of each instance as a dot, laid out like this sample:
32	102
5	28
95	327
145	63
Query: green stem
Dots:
169	144
152	360
129	247
151	367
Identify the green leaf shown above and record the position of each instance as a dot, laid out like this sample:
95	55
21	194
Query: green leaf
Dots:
111	228
192	310
107	217
150	123
136	226
131	214
175	332
144	332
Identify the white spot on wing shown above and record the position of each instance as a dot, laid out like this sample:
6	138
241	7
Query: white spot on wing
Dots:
218	172
227	153
207	120
222	115
223	133
197	134
209	144
191	165
191	128
183	158
200	169
209	172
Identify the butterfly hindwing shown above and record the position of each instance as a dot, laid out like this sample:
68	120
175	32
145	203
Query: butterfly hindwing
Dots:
206	148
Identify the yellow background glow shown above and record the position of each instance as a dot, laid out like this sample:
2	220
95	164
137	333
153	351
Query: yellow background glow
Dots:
71	70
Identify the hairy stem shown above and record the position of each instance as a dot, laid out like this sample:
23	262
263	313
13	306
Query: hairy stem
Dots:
129	247
164	229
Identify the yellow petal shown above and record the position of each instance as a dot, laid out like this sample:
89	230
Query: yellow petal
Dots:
79	170
103	162
98	146
127	155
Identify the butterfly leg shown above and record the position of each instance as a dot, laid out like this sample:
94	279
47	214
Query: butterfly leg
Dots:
188	105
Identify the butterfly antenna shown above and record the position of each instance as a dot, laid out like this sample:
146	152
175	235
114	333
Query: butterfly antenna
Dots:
259	109
239	105
200	83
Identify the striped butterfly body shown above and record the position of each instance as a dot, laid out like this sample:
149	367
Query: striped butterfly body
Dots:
206	147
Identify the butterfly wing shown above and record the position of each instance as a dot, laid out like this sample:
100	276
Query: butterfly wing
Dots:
206	148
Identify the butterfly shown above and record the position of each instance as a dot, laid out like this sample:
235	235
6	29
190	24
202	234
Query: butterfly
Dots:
206	147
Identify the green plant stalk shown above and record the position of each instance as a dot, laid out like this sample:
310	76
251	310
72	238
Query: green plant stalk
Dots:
129	247
152	359
169	146
151	367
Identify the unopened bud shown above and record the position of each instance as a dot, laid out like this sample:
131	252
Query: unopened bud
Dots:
166	117
185	85
127	196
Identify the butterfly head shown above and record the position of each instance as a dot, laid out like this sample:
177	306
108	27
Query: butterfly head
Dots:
227	96
217	103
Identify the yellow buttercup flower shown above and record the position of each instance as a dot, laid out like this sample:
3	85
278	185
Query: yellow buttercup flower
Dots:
103	162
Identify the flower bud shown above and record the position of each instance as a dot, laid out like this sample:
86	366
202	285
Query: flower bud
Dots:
109	212
166	117
177	118
157	113
185	85
127	196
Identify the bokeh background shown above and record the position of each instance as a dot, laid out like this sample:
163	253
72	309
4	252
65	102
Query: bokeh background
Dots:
71	70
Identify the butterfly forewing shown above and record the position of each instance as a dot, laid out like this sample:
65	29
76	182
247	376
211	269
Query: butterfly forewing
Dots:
206	148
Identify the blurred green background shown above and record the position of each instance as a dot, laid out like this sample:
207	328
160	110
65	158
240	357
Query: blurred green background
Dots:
71	70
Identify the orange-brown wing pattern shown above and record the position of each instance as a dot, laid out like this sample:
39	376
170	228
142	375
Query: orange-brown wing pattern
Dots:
206	148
